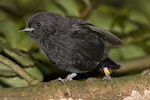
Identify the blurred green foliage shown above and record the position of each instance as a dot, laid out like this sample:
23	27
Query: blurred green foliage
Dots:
128	19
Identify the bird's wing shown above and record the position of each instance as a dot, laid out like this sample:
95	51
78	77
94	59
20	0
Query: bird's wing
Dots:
106	35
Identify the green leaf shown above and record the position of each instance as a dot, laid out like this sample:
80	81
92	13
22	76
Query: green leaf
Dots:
26	43
13	82
23	59
70	6
129	27
35	72
141	6
51	7
138	17
10	31
115	53
127	52
101	20
12	35
86	2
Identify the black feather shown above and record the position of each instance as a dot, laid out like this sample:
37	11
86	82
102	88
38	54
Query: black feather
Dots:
72	44
106	35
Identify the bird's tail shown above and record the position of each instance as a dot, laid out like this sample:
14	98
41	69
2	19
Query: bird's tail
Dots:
107	66
110	63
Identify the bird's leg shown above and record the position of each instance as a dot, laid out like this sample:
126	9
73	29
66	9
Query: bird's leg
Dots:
68	78
107	73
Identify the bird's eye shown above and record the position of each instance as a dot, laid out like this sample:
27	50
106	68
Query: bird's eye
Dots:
38	24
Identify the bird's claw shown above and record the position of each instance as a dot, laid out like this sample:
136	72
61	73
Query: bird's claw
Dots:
68	78
108	78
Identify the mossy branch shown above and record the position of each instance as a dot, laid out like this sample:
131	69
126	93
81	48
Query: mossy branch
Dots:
89	89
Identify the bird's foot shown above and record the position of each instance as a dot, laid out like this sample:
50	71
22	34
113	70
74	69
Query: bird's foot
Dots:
68	78
107	73
108	78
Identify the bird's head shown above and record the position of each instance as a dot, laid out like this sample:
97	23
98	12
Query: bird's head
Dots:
40	24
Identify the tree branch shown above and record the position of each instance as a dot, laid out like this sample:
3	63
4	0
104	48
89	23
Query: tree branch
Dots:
87	11
133	65
89	89
17	69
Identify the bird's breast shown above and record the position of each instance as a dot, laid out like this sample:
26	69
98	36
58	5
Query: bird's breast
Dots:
74	54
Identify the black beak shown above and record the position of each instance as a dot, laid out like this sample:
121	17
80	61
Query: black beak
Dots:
27	30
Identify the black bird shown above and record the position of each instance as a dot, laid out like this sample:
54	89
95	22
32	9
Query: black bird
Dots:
72	44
